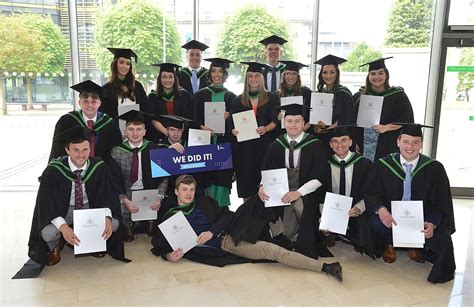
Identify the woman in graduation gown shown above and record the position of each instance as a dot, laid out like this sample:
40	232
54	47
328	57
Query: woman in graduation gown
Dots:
248	155
216	184
343	105
122	88
290	86
168	99
381	139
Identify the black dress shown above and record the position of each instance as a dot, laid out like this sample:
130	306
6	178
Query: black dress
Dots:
248	155
110	98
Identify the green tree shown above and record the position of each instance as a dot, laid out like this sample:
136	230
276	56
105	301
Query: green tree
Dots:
361	54
466	79
409	24
138	25
30	44
239	39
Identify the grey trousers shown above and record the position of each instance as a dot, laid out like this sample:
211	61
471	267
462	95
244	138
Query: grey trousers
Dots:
269	251
52	235
290	224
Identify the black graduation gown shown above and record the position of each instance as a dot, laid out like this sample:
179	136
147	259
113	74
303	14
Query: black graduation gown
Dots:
280	69
306	93
110	99
53	199
219	217
313	165
106	134
220	178
157	106
184	76
396	108
248	155
430	184
359	229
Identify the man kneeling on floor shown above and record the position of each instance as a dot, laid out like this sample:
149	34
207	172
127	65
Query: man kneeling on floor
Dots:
210	222
69	183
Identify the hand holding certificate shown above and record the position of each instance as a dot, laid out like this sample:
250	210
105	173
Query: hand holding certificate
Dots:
409	229
289	100
335	215
321	108
198	137
246	125
214	116
370	110
178	232
143	199
89	225
275	185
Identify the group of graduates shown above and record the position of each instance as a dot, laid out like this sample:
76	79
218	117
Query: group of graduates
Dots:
95	165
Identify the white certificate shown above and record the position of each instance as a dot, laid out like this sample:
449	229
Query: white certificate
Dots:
214	116
143	199
124	109
335	215
288	100
275	185
246	123
198	137
321	108
178	232
89	225
410	223
370	109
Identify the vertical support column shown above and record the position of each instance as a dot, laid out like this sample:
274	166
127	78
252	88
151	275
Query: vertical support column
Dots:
74	46
314	44
196	19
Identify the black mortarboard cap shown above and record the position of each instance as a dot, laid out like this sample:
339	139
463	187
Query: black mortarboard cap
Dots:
137	116
124	53
168	67
273	39
330	60
87	86
377	64
412	129
71	134
175	121
194	44
255	66
293	66
294	109
219	62
341	130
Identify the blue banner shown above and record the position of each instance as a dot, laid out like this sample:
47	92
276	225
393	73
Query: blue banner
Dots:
195	159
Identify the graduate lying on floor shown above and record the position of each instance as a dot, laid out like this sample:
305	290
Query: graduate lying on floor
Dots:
211	223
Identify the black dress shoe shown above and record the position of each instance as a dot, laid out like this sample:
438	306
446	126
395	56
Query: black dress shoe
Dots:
333	269
98	254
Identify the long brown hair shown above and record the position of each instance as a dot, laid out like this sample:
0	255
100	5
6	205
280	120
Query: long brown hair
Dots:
159	86
125	88
284	88
368	85
262	93
321	80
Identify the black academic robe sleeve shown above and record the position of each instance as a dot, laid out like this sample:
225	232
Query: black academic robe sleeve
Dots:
343	109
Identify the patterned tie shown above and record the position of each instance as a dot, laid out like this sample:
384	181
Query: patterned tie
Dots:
342	179
134	166
407	182
78	196
90	125
274	80
291	158
194	81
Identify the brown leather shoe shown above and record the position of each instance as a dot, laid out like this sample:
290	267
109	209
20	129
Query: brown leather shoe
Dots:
98	254
330	240
416	255
389	254
54	255
128	235
151	228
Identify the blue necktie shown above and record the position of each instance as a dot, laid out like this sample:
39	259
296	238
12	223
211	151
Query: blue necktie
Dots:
194	81
407	182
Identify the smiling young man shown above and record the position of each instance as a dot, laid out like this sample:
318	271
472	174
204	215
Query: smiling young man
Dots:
99	128
193	77
305	158
273	48
410	175
348	176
